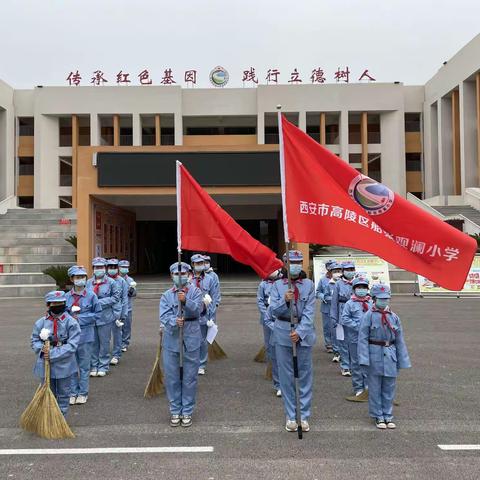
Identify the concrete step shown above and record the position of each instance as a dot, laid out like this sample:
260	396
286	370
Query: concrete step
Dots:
398	274
24	278
30	267
403	287
4	222
65	249
70	229
26	241
49	259
12	291
28	211
32	214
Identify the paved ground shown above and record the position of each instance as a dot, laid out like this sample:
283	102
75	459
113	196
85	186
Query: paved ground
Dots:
241	419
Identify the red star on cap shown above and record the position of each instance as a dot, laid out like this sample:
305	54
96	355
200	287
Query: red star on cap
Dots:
58	294
382	289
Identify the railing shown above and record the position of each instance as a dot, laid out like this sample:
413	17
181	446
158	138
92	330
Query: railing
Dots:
472	197
106	139
148	139
424	206
126	140
8	203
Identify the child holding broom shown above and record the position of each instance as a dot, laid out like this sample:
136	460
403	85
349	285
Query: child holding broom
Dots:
63	334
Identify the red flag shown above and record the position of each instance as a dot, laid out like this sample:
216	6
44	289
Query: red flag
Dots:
203	225
327	201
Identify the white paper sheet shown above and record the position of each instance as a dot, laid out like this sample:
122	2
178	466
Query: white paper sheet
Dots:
212	333
339	332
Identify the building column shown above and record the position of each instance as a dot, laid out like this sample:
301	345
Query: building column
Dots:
344	151
323	133
457	185
302	121
75	133
261	128
178	122
94	130
477	90
158	131
364	141
136	130
445	153
116	130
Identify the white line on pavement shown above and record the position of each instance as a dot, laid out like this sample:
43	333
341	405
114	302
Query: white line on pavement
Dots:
459	447
87	451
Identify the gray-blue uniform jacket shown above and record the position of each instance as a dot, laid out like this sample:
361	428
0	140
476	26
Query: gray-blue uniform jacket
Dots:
352	314
263	294
206	283
304	310
324	293
192	337
132	292
63	363
90	311
341	295
123	286
216	283
383	361
109	297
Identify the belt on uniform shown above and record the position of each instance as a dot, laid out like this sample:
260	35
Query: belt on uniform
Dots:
191	319
381	343
57	344
341	300
286	319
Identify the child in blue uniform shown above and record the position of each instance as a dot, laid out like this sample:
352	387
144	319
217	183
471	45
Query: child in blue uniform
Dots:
83	306
181	393
302	299
382	349
63	333
124	268
352	313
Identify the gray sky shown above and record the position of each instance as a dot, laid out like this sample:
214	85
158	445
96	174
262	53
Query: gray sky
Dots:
41	41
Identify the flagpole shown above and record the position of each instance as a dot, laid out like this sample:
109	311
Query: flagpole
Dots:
289	277
178	178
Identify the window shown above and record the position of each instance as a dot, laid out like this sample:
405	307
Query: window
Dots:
271	125
126	130
374	166
413	162
65	131
106	130
373	128
219	125
412	122
84	131
25	166
65	202
354	129
167	129
355	159
25	126
148	129
65	179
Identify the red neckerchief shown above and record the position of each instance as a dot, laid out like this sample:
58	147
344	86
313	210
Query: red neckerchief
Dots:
385	321
198	280
76	296
347	281
184	289
296	292
97	286
363	300
54	320
114	276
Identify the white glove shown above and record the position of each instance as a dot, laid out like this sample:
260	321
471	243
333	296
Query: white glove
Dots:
44	334
75	309
119	323
268	300
133	284
207	299
210	323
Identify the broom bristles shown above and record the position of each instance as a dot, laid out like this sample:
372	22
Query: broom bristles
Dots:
43	415
216	352
155	383
268	371
261	356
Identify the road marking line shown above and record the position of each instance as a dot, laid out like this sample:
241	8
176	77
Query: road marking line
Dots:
86	451
459	447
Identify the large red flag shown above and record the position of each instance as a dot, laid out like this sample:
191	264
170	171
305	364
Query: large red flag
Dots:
203	225
326	201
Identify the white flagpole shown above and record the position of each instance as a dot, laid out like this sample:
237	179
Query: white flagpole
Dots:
179	206
282	175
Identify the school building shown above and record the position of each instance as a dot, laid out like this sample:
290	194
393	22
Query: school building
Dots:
109	152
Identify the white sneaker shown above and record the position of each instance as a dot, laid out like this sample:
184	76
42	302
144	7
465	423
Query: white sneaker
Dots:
336	358
186	421
114	361
175	420
278	393
124	349
93	373
202	371
73	400
380	423
81	399
291	426
390	424
305	426
101	374
346	373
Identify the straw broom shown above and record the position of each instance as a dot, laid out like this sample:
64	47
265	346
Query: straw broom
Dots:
268	371
155	382
43	415
215	352
261	356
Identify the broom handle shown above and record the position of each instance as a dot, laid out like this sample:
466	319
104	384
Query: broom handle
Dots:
159	347
47	365
180	314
